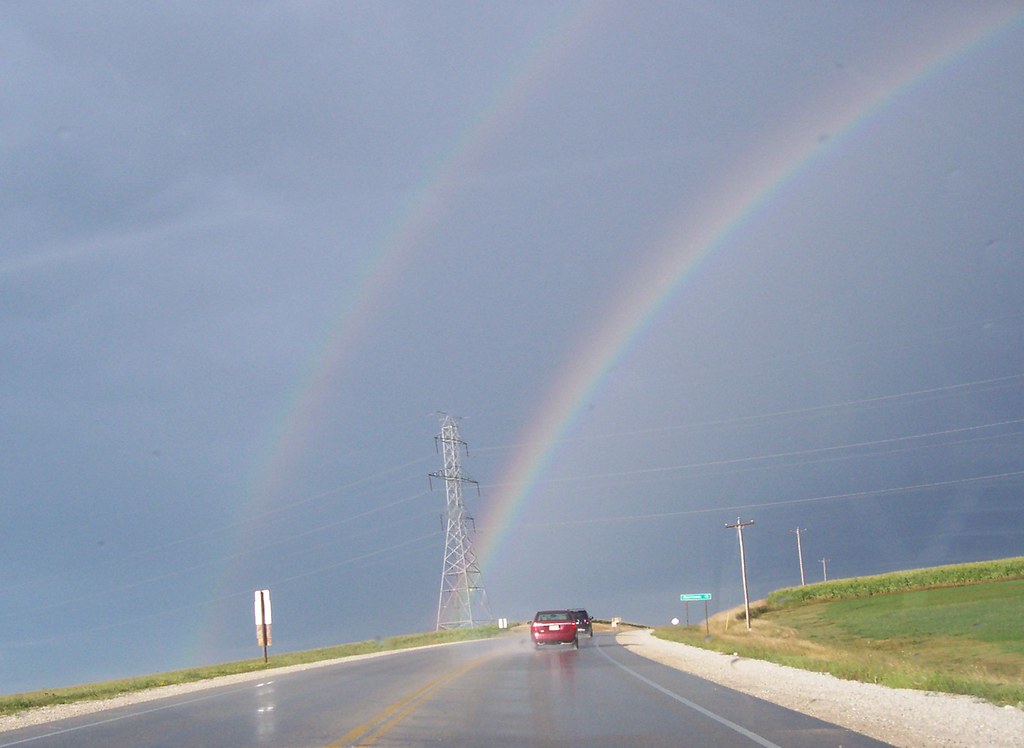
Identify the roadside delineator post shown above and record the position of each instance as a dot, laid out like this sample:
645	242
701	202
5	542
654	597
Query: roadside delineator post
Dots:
261	606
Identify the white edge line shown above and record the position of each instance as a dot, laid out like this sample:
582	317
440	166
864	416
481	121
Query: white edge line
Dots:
696	707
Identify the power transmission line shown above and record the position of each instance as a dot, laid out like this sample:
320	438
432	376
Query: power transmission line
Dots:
463	601
780	502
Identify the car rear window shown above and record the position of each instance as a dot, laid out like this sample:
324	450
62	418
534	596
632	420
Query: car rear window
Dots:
559	615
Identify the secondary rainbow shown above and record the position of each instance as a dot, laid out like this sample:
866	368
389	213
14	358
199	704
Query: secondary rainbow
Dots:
296	419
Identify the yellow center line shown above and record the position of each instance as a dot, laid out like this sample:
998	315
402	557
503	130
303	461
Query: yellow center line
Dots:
371	730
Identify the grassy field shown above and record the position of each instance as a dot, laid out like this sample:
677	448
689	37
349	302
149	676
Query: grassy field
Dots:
19	702
955	629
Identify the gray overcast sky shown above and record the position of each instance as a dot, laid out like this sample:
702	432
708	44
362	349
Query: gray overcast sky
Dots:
672	263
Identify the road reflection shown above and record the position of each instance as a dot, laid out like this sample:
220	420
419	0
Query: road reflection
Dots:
561	670
266	724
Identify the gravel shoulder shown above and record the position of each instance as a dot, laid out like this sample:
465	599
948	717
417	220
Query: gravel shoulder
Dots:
901	717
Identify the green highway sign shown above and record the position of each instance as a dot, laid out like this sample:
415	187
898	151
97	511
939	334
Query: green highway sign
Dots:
695	596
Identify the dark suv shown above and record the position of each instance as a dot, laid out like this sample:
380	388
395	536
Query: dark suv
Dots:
583	622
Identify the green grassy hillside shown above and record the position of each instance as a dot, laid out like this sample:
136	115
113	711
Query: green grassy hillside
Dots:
955	629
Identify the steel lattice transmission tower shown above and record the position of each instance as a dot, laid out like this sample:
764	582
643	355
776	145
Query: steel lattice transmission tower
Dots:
463	601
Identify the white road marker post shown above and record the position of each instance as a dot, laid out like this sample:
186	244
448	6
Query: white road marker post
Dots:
263	620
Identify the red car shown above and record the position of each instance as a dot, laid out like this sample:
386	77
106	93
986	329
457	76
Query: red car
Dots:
554	627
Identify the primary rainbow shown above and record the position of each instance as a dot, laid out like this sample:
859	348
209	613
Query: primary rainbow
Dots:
738	197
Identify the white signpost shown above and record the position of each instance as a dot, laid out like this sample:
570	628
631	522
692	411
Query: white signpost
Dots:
263	619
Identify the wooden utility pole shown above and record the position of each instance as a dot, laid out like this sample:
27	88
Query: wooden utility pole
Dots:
743	563
800	553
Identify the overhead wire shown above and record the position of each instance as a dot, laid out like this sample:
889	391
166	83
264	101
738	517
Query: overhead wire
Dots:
775	503
220	529
390	550
788	454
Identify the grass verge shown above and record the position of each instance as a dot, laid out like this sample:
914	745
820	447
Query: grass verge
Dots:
19	702
957	632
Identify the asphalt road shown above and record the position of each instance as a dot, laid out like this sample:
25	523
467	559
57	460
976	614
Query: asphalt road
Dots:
489	693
